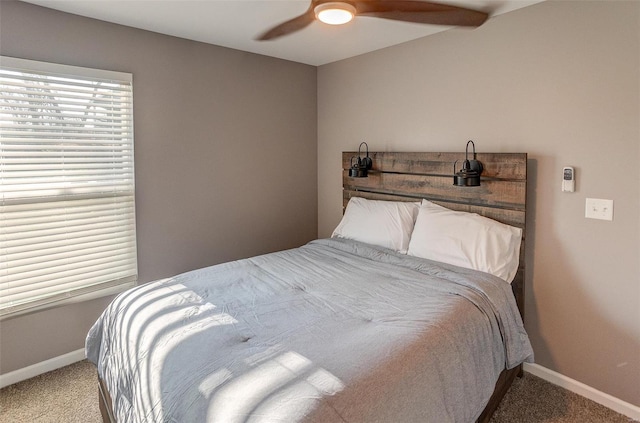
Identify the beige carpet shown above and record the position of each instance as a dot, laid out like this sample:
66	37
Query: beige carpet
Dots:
70	395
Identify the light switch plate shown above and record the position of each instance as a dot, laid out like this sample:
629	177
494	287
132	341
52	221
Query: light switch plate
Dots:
597	208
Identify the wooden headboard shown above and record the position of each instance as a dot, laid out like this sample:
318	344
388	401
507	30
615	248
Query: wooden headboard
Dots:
502	194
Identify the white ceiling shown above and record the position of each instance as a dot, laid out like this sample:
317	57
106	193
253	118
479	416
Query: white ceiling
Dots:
236	24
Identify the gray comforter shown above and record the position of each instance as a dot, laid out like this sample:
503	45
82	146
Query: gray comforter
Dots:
334	331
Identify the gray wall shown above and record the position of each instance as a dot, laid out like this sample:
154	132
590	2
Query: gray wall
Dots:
560	81
225	155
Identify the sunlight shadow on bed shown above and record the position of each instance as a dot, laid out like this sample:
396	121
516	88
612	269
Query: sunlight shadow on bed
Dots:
273	382
285	388
155	323
300	397
276	383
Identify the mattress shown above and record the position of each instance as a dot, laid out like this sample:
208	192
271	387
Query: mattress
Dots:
335	330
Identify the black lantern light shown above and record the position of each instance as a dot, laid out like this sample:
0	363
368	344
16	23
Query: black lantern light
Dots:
361	165
469	175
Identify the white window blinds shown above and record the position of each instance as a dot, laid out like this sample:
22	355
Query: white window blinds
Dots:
67	217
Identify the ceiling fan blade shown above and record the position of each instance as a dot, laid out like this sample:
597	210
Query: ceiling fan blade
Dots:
420	12
289	26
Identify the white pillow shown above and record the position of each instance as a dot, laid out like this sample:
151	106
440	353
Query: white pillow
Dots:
466	240
384	223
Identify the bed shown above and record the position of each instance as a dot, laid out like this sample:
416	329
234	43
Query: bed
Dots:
338	330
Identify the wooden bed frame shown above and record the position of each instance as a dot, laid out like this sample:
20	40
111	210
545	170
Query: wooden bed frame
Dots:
413	176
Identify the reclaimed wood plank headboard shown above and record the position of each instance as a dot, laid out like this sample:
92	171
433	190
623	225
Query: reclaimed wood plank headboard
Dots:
407	176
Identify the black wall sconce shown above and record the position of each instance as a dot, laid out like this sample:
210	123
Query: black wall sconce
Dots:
360	167
469	175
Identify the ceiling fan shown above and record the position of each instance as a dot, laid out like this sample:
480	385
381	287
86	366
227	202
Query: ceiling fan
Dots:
340	12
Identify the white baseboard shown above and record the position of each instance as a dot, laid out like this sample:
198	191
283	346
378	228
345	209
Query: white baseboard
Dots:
40	368
586	391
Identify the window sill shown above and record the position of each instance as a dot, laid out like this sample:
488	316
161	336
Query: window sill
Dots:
113	290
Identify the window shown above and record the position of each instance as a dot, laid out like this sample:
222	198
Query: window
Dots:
67	213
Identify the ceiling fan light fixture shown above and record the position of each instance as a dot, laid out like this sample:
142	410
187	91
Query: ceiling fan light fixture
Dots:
335	13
